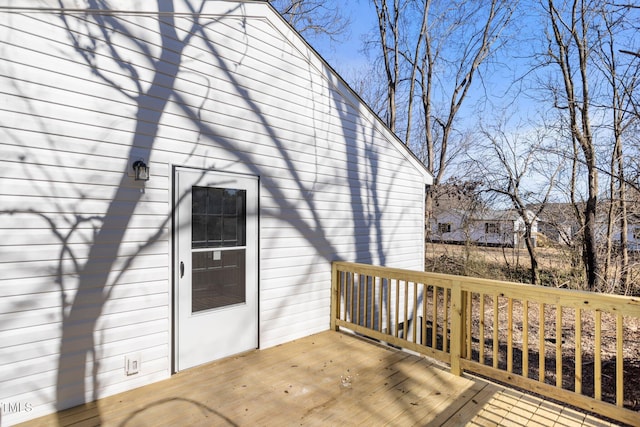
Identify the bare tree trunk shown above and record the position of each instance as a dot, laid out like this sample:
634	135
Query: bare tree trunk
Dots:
426	76
577	255
591	247
569	36
414	69
625	268
390	45
611	219
533	256
617	214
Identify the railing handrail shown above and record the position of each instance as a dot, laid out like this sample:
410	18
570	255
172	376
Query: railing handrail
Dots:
383	287
625	305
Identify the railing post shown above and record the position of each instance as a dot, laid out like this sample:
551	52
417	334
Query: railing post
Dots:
457	327
335	302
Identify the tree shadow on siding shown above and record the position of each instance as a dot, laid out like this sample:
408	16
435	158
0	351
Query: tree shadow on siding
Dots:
94	282
86	282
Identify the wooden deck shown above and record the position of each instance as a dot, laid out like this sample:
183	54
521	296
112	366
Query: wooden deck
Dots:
326	379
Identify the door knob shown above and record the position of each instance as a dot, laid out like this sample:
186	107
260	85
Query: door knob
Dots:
181	269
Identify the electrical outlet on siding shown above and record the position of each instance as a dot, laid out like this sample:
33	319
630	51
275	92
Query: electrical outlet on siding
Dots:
132	364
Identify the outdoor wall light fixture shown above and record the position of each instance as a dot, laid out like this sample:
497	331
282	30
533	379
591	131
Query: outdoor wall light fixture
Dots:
141	170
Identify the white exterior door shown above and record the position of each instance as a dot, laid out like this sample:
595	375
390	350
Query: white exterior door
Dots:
216	284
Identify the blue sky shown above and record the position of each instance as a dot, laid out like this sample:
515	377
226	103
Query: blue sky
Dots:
347	56
349	61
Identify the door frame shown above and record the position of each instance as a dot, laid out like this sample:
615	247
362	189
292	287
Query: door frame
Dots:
174	255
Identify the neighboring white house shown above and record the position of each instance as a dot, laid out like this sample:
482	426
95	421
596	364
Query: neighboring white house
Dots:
264	166
492	228
633	233
633	237
557	222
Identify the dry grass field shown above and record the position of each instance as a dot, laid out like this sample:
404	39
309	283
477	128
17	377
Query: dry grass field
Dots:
549	258
557	266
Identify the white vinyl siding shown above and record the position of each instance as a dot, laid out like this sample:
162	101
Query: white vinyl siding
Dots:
251	98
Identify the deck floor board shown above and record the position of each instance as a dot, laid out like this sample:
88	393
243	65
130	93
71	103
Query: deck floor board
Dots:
323	380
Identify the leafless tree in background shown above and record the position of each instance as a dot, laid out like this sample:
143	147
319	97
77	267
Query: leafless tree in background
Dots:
569	44
512	161
389	44
593	92
432	52
621	74
314	17
461	45
431	79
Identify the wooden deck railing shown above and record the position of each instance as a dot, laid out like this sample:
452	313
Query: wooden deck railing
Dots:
567	345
